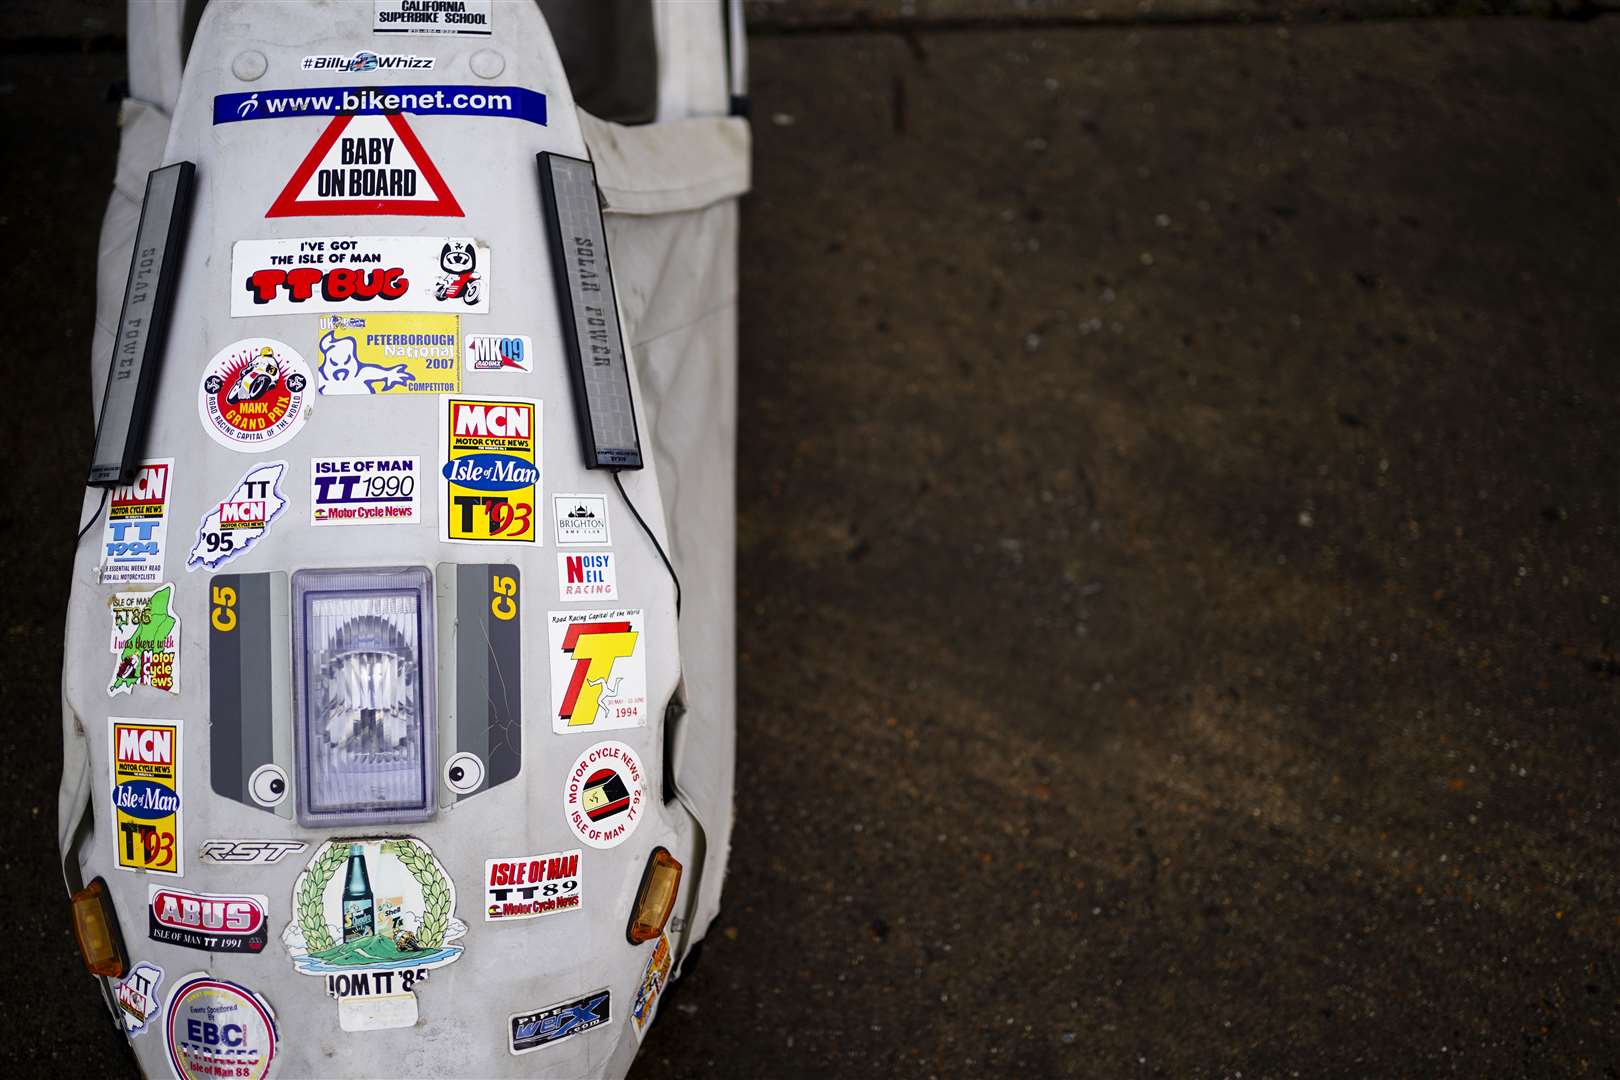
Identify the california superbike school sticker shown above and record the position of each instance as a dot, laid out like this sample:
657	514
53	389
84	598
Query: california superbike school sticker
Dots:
605	794
217	1029
254	395
489	474
144	759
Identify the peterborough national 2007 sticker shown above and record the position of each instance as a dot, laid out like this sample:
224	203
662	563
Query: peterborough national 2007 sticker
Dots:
238	521
489	476
145	641
254	395
144	761
365	491
137	530
598	670
605	794
344	274
388	354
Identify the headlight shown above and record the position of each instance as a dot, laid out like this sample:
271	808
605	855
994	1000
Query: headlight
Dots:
364	695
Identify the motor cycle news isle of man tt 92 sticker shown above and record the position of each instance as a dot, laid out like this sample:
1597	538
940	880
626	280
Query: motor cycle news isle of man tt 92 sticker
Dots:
144	759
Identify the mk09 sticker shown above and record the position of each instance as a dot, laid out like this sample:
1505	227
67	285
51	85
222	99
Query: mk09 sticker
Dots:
585	576
347	274
534	1030
239	520
365	491
489	489
605	794
652	984
499	352
214	923
598	670
531	886
388	354
145	641
138	998
144	760
254	395
582	520
137	529
216	1029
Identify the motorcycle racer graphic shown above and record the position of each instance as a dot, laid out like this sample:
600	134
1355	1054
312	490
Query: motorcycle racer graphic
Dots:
459	262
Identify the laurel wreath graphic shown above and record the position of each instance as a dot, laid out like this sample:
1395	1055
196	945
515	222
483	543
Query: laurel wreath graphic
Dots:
311	911
416	858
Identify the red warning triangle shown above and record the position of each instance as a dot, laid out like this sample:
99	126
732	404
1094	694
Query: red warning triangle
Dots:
366	165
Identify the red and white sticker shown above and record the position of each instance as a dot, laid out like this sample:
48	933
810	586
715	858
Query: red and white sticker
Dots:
366	165
343	274
531	886
255	395
225	923
605	795
586	575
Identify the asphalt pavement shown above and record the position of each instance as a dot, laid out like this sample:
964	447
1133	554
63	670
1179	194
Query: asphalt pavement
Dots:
1179	597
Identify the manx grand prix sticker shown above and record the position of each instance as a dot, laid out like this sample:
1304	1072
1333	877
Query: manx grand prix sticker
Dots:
254	395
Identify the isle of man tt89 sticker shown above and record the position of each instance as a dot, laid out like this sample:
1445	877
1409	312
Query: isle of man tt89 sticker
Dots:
254	395
605	794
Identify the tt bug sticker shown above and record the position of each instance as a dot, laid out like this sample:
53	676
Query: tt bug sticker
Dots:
533	1030
652	984
347	274
214	923
249	852
372	918
598	670
388	354
144	758
365	491
137	530
586	576
437	17
145	641
531	886
238	521
489	480
254	395
499	352
138	998
605	794
582	520
366	165
216	1028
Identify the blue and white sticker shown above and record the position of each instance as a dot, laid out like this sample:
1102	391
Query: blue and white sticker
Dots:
538	1029
499	352
365	491
504	102
138	998
238	521
137	530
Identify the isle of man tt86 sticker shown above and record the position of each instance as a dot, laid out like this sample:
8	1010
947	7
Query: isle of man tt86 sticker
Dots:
254	395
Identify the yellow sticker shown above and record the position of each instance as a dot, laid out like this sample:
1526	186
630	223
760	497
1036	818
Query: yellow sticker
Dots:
145	762
388	354
489	474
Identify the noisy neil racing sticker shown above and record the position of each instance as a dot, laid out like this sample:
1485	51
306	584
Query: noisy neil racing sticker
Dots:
137	530
216	1029
365	491
489	480
598	670
531	886
533	1030
145	641
238	521
346	274
586	575
605	794
388	354
144	759
254	395
214	923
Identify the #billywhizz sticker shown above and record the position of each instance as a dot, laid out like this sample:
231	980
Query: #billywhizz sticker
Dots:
138	526
144	759
489	479
254	395
346	274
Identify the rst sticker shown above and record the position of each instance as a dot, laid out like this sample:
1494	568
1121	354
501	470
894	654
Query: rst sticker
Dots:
533	1030
137	997
586	576
249	852
499	352
605	794
598	670
216	1029
137	529
215	923
388	354
581	520
144	759
239	520
489	479
344	274
531	886
365	491
254	395
145	641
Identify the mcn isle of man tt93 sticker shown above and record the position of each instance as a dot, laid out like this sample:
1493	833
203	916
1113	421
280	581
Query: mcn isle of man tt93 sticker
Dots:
652	984
138	998
598	670
372	918
388	354
217	1029
144	760
137	530
605	794
145	641
254	395
237	521
489	475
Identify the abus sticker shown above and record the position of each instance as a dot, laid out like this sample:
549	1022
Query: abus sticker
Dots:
217	1029
144	759
214	923
145	642
365	491
343	274
137	529
598	670
489	482
254	395
534	1030
137	997
388	354
239	520
531	886
499	352
586	576
605	794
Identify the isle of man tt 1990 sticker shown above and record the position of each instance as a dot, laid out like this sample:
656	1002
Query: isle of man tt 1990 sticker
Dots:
254	395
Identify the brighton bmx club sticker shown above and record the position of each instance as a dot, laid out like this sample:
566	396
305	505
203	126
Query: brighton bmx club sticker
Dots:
254	395
365	491
145	641
218	1029
531	886
598	670
489	483
582	520
214	923
144	757
585	576
137	997
534	1030
388	354
238	521
652	984
605	794
499	352
138	526
346	274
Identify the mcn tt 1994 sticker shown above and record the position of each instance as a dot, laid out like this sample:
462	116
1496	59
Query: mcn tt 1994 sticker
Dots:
137	530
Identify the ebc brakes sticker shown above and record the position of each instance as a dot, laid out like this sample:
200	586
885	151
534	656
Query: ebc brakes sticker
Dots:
249	676
480	617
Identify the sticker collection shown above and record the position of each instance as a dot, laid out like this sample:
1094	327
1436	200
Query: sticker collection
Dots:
372	917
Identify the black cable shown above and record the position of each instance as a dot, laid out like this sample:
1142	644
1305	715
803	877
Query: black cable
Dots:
97	516
676	578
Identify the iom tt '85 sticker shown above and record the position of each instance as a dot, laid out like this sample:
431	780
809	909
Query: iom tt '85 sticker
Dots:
254	395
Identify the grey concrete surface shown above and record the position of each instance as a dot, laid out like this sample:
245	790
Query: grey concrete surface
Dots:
1180	600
